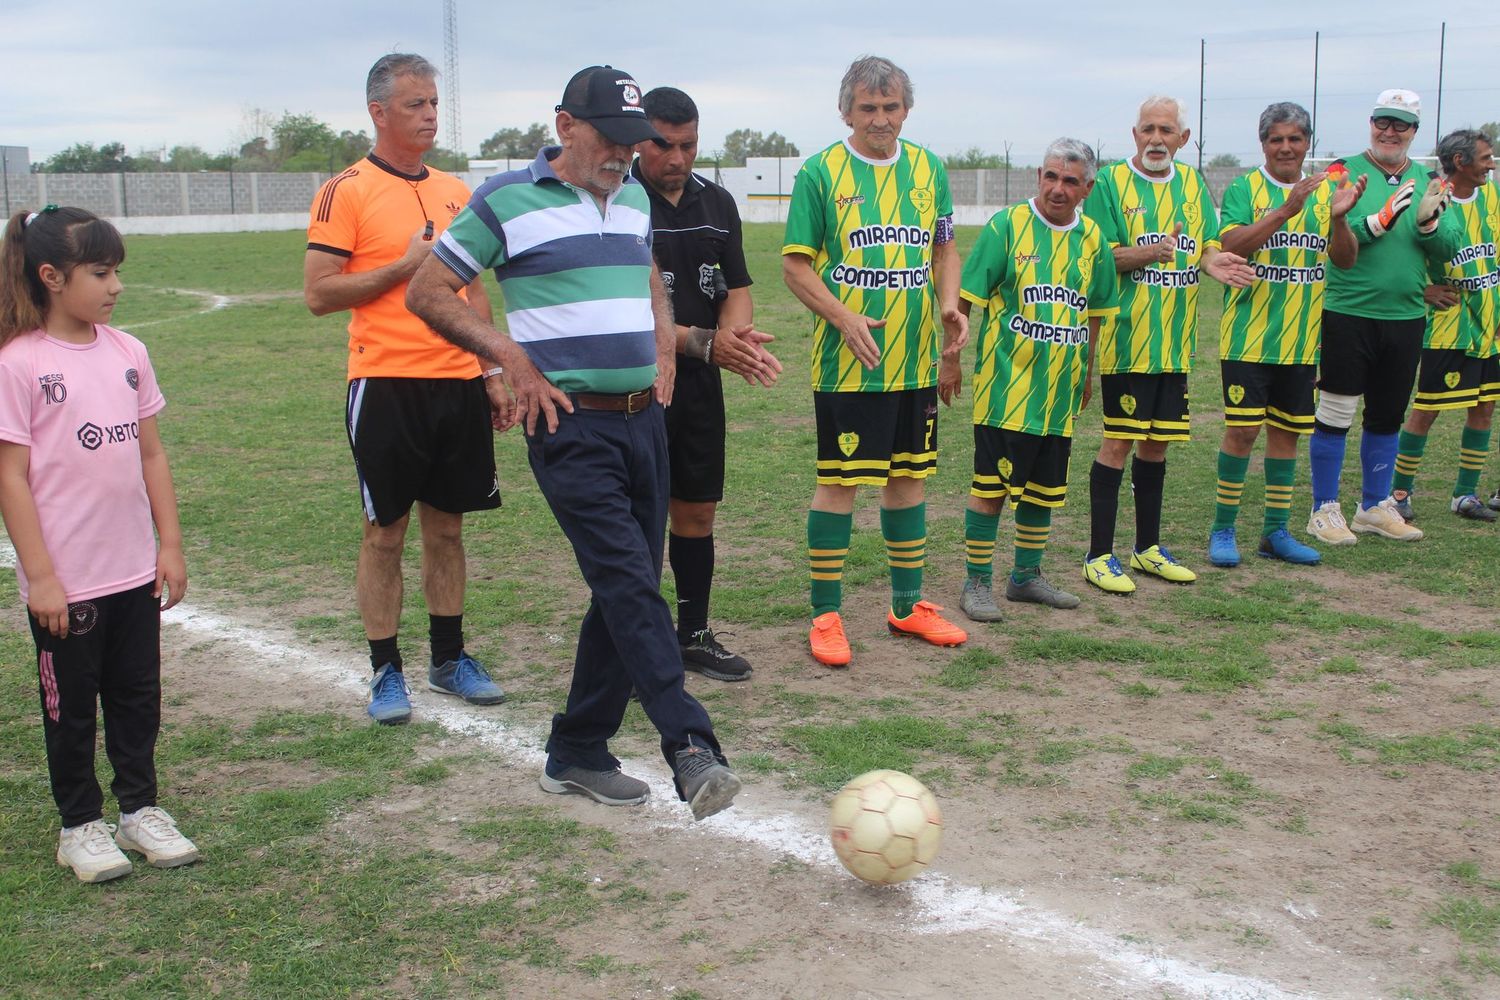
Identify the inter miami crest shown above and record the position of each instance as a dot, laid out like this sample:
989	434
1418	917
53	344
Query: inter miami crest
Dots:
1236	394
848	443
1127	403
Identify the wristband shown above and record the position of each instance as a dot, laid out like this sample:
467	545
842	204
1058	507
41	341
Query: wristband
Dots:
708	352
497	370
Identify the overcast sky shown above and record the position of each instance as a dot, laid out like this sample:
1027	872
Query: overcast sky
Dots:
157	73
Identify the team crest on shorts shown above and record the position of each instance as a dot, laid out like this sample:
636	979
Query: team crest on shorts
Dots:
82	617
1451	380
1236	394
1005	469
848	442
922	198
1127	403
1190	212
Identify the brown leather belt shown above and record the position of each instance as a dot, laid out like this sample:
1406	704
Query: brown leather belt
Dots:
629	402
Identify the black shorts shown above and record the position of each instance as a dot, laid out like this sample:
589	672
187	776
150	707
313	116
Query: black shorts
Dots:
695	433
1140	406
1257	393
421	439
865	438
1489	379
1449	380
1021	466
1373	358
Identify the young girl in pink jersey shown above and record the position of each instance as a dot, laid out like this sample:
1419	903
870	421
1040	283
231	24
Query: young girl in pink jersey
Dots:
83	482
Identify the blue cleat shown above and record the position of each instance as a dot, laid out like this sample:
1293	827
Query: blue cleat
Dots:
466	679
1222	549
1280	544
389	704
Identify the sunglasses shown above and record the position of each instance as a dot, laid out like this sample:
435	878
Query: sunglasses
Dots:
1394	124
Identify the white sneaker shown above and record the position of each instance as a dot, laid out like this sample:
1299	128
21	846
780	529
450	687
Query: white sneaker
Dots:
1385	520
1327	525
150	831
91	852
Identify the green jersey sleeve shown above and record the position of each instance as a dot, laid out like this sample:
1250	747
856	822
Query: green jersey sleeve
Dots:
1236	210
1103	206
805	219
987	264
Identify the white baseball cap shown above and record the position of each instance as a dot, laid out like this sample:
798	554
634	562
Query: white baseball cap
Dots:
1402	105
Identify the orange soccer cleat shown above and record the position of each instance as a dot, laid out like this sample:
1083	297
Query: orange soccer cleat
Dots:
924	622
830	647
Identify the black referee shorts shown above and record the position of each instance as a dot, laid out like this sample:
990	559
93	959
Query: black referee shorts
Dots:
695	433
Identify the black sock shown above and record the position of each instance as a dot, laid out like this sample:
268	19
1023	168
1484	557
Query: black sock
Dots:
1104	506
692	562
383	651
1147	479
447	635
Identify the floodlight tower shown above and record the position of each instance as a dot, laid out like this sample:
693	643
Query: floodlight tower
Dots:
450	74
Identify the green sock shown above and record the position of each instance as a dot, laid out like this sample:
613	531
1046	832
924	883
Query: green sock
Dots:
827	548
1231	488
1473	448
1409	448
1279	475
979	543
1033	525
905	534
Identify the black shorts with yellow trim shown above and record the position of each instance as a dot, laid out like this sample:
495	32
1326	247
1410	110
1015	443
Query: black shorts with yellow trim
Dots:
1258	393
1145	406
866	438
1489	379
1449	380
1020	466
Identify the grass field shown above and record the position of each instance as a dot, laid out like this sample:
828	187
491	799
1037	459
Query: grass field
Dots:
1194	769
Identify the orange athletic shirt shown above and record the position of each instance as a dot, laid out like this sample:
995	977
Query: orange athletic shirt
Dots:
368	214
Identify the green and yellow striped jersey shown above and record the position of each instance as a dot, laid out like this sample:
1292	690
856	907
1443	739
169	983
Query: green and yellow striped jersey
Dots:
869	227
1278	320
1038	284
1473	270
1156	328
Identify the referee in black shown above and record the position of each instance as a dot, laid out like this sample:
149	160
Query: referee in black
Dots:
696	237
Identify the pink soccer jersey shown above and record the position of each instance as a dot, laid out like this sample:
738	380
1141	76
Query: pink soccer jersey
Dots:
78	407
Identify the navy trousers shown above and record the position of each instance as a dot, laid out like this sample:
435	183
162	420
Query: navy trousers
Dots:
605	475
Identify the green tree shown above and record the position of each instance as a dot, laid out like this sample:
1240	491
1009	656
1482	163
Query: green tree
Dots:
1224	160
83	158
744	142
1491	129
513	143
446	159
974	158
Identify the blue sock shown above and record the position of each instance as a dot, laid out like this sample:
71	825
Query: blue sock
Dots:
1325	454
1377	457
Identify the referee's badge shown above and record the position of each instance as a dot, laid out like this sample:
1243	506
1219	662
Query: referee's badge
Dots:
1005	469
1127	403
1451	380
922	198
1236	394
848	442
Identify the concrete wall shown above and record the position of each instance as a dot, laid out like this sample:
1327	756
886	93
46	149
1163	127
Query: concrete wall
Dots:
129	195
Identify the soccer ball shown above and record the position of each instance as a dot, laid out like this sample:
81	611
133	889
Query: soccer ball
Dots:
886	827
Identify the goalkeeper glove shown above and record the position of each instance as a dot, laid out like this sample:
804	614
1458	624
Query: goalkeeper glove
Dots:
1433	202
1381	221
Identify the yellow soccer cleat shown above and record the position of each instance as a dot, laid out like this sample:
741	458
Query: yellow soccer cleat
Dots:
1106	573
1159	562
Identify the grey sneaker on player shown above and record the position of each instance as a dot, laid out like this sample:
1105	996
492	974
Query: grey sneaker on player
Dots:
152	832
1472	508
704	783
1384	520
1037	590
1493	503
613	788
978	601
90	850
1402	501
704	654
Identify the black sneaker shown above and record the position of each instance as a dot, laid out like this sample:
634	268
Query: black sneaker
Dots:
703	782
704	654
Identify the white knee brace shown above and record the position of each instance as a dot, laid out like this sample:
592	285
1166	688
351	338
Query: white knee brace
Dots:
1335	410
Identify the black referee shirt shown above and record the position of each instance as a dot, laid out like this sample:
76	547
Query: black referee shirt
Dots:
689	239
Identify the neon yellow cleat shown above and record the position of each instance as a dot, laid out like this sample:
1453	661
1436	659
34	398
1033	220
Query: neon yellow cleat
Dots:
1159	562
1106	573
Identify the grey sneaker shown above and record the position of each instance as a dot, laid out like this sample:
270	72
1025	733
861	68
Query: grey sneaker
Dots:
1472	508
1403	505
705	784
1493	503
978	601
613	788
1036	590
707	656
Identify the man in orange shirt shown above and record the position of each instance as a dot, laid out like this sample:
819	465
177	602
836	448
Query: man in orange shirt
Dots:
419	411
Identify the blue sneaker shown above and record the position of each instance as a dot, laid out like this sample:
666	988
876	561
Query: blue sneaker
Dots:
466	679
389	704
1280	544
1222	550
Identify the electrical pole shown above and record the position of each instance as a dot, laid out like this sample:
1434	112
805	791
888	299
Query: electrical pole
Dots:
455	139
